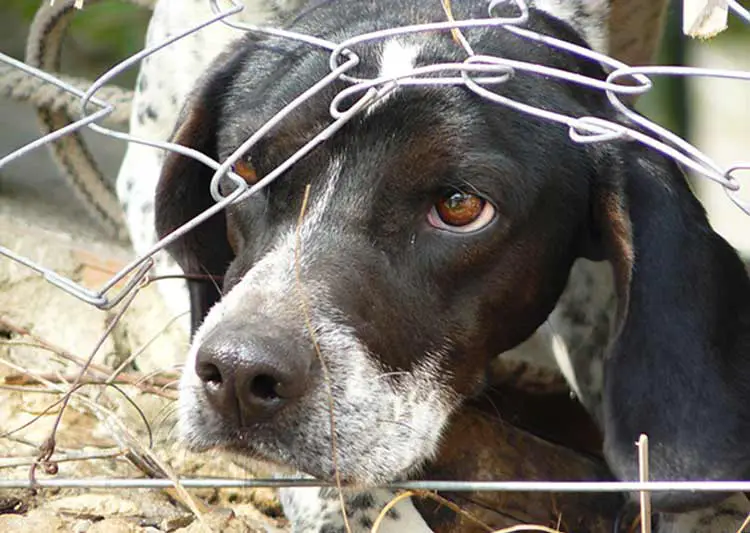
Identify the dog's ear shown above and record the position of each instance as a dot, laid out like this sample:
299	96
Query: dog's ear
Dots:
182	193
678	368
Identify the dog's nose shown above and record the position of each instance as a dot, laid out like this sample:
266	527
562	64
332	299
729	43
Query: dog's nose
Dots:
247	377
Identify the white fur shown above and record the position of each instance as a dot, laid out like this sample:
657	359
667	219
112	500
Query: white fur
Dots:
313	215
593	26
579	343
308	512
397	59
170	75
727	517
417	400
562	357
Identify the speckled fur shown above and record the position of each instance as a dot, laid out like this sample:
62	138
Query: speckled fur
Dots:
164	81
578	329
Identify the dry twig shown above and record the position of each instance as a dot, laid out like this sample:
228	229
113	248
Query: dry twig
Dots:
324	367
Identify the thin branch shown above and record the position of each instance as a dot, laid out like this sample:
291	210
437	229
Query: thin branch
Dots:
156	385
13	462
324	367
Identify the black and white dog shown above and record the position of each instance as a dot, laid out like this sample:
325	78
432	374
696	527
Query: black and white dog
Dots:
440	230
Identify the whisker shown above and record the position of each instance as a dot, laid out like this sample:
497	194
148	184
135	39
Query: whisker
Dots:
416	434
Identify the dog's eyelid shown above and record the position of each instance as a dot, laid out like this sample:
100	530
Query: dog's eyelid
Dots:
468	189
481	186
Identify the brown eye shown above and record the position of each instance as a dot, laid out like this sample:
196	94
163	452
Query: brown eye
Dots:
245	170
459	209
461	212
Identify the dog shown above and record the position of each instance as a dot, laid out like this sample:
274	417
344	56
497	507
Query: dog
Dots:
163	83
420	309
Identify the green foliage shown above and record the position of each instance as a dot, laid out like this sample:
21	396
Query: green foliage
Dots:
100	35
117	29
25	7
109	30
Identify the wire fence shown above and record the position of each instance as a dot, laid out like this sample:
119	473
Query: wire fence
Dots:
474	73
477	73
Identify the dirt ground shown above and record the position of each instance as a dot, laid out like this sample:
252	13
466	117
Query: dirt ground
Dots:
45	335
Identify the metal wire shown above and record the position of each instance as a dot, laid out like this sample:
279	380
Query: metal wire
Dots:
452	486
477	73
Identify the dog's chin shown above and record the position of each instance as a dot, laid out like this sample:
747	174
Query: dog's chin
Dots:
242	448
384	431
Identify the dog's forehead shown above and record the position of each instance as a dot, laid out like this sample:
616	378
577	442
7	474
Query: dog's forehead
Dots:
276	71
414	141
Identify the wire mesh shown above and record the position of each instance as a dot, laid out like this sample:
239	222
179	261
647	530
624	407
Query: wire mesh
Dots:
477	73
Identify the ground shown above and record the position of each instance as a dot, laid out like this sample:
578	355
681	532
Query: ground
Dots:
45	335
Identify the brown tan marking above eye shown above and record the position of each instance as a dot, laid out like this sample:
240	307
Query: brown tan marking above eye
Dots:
245	170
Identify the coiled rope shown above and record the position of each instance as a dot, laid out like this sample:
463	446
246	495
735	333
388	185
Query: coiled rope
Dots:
57	108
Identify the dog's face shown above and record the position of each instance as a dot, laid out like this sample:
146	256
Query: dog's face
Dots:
421	250
370	285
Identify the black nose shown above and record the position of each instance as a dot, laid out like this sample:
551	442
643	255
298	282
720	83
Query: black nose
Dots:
248	377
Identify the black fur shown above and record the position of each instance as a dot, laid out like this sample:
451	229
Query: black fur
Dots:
678	368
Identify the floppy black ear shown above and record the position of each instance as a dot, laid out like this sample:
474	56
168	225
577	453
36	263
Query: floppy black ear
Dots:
182	193
678	369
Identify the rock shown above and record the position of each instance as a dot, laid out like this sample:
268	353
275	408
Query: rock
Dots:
114	525
226	521
28	299
95	505
12	504
38	521
82	526
170	524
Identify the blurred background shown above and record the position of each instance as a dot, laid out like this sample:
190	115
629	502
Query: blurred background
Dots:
101	35
713	114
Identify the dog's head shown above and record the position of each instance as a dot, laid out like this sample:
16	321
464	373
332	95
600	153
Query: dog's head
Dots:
370	285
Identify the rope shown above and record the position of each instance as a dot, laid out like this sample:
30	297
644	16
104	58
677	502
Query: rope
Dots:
57	108
22	87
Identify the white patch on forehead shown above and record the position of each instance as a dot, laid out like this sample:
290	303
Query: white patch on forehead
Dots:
396	60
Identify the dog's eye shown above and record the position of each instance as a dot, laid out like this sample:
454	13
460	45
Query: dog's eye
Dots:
461	212
245	170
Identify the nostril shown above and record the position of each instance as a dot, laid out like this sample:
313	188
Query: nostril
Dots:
248	377
264	386
209	373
